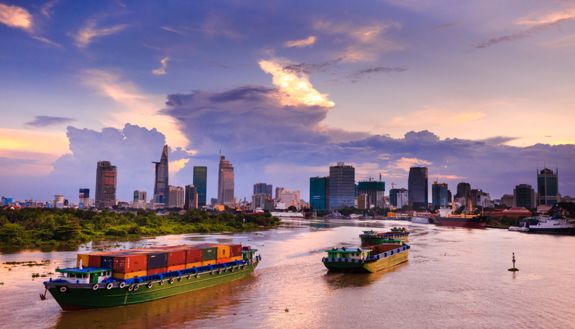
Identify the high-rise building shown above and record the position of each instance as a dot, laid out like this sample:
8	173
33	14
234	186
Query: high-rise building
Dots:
524	196
318	193
439	195
341	186
463	190
161	182
139	199
288	199
262	196
507	200
398	197
201	184
84	196
279	190
418	188
192	197
59	201
263	188
226	182
547	187
176	197
106	179
375	191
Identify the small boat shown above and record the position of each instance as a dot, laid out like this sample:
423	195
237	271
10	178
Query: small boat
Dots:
372	237
518	229
549	225
366	260
419	220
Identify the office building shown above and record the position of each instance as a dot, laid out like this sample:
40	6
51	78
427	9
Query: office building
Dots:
263	188
524	196
139	199
507	200
226	182
192	197
262	196
161	181
341	186
547	187
106	179
439	195
176	197
375	191
59	201
287	198
418	188
463	190
319	193
201	184
84	198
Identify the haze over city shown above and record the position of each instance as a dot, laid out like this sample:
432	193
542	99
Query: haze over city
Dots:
480	91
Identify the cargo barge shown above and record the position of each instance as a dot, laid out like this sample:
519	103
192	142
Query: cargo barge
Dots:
371	237
366	260
142	275
466	221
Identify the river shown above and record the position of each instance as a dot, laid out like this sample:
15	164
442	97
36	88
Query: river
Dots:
455	278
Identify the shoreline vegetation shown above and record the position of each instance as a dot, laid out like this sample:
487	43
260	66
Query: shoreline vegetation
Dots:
52	229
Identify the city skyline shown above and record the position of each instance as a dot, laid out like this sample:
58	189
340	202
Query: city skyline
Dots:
115	81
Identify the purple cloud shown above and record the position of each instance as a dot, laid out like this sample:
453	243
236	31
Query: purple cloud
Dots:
45	121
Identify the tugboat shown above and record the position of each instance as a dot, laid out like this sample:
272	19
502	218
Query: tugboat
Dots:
549	225
366	260
373	238
141	275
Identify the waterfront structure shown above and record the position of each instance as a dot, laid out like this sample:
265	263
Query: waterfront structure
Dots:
106	179
547	187
418	188
319	193
226	182
192	198
161	181
288	198
84	198
341	186
375	191
439	195
176	196
201	183
524	196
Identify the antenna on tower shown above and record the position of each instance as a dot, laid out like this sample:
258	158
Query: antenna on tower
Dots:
380	176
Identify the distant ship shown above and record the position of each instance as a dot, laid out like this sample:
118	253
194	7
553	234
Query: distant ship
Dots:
420	220
468	221
372	237
549	225
366	260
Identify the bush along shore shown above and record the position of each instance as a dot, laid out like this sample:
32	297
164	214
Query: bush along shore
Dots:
67	228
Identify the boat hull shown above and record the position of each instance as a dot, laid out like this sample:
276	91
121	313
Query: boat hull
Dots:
559	231
461	222
369	266
75	298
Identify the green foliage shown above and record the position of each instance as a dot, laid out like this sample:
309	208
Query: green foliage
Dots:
66	228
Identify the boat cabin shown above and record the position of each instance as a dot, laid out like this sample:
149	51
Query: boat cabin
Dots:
347	253
88	275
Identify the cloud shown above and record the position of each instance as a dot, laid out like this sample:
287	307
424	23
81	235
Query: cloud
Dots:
550	18
295	87
217	26
406	163
16	17
89	32
47	8
163	66
309	41
377	69
45	121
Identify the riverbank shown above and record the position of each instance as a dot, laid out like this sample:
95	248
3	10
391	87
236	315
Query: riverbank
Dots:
50	229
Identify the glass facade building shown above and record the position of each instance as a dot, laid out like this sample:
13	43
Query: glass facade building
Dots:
418	188
318	193
161	192
547	187
106	179
374	191
201	184
439	195
341	186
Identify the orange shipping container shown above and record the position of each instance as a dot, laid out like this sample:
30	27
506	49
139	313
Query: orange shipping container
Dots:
223	251
85	258
192	265
176	268
157	271
126	276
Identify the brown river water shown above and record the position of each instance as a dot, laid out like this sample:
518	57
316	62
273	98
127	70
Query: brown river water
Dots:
455	278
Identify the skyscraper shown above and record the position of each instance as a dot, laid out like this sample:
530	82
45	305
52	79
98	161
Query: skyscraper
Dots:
176	196
463	190
226	182
375	191
84	196
201	183
262	195
418	188
161	181
192	196
341	186
318	193
524	196
547	187
396	197
106	178
439	195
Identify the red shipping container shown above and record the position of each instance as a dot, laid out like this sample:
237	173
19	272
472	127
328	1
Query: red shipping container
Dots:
157	271
236	250
177	257
130	263
193	255
95	261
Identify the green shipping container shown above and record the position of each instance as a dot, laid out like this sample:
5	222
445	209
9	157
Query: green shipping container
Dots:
209	253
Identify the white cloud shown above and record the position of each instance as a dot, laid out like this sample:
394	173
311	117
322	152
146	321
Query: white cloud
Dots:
90	31
549	18
296	86
16	17
406	163
301	43
163	66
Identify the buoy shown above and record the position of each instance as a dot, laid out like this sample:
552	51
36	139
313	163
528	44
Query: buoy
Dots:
513	269
286	310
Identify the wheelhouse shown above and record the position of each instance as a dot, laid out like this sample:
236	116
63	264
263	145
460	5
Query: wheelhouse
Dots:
87	275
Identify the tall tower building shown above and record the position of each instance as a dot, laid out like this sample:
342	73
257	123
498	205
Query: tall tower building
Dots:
226	182
161	191
374	190
191	197
463	190
524	196
106	179
418	188
201	184
341	186
439	195
319	193
547	187
176	197
84	196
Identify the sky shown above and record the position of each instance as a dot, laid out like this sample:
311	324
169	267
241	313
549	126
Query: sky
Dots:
480	91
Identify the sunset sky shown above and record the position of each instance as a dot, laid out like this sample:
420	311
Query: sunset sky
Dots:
480	91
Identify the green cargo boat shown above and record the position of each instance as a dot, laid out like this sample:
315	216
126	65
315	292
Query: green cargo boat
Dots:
369	238
91	287
366	260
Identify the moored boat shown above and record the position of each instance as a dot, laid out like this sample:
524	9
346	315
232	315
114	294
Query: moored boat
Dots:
142	275
372	237
467	221
549	225
419	220
366	260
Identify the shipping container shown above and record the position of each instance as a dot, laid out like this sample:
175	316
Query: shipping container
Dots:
176	268
209	251
94	260
157	260
208	262
130	262
235	258
193	255
85	258
223	260
177	257
235	250
159	270
223	251
192	265
126	276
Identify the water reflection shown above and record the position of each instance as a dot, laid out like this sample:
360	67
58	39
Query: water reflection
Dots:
355	280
